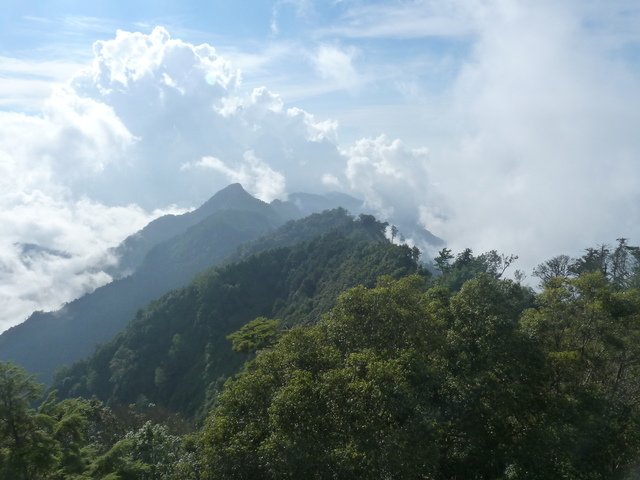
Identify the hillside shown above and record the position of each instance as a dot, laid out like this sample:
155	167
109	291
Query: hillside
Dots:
175	353
435	379
47	341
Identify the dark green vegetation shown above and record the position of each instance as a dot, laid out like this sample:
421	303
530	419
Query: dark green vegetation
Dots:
405	381
463	375
175	353
77	439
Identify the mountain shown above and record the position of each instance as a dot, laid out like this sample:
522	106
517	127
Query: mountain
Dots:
31	251
132	251
204	237
164	255
337	220
174	354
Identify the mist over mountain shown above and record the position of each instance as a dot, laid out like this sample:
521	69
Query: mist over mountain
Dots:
460	138
133	250
164	255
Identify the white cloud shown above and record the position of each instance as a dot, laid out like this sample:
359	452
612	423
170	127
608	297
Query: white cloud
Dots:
547	157
538	154
109	148
336	64
302	9
395	182
24	84
534	149
253	174
427	18
183	102
331	181
70	240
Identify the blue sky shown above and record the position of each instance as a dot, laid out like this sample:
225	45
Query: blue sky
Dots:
494	124
275	43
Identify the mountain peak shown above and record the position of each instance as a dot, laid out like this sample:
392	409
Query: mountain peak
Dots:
234	190
233	197
233	187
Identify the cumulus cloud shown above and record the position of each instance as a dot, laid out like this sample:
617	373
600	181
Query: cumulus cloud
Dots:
182	102
152	121
254	174
381	169
395	182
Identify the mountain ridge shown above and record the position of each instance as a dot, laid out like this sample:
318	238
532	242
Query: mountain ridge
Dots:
47	340
165	254
180	337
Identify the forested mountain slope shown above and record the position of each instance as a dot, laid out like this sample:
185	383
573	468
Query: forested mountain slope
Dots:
466	375
46	341
175	353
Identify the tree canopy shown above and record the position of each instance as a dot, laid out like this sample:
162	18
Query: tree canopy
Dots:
401	381
463	375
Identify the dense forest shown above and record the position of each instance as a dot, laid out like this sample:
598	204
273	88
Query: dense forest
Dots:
295	362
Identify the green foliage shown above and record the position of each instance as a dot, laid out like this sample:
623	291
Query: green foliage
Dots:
315	407
49	340
455	270
407	378
149	453
175	353
402	382
80	439
620	266
255	335
306	229
443	260
384	387
26	446
590	333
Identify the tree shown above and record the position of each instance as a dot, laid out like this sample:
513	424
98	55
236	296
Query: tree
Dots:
255	335
394	382
443	260
594	260
556	267
590	333
623	264
336	400
466	266
27	450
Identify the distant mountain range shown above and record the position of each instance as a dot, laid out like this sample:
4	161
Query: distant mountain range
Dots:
164	255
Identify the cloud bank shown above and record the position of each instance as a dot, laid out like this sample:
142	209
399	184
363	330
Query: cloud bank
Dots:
540	158
547	161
